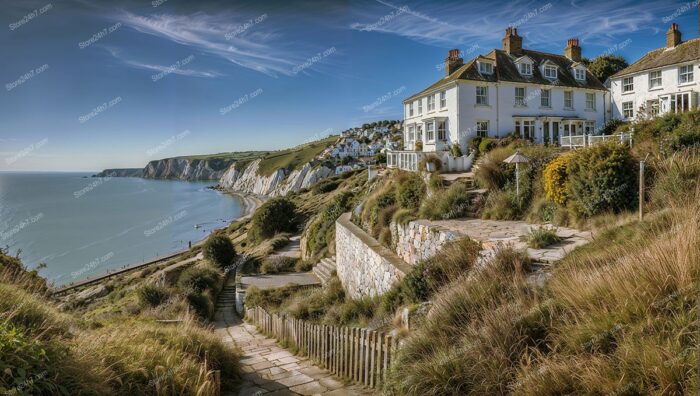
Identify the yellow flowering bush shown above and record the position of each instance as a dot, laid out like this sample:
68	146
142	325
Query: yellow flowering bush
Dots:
555	178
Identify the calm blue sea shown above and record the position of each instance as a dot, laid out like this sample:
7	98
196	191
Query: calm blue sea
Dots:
82	227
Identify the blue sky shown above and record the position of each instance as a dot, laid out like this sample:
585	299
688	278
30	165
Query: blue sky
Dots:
97	84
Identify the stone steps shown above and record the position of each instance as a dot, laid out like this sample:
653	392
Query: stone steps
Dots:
325	269
227	297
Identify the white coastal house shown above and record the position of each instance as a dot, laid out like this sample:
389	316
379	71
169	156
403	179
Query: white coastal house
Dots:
662	81
540	96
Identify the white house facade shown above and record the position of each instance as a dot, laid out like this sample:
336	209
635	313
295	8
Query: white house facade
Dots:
538	96
665	80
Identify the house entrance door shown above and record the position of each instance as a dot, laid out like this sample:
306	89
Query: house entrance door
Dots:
555	133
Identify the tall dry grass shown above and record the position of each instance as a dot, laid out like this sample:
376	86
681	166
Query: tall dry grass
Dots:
618	316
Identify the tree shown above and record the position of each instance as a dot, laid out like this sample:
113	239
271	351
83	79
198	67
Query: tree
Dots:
274	216
219	250
605	66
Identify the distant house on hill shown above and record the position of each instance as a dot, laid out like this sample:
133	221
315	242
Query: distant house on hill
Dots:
662	81
539	96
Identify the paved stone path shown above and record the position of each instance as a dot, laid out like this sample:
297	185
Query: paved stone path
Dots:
280	280
270	369
492	232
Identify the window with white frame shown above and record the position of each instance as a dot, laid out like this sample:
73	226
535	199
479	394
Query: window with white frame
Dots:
430	131
580	74
685	74
482	128
525	69
550	71
410	109
655	79
485	68
411	133
628	109
482	96
441	130
680	103
528	131
589	127
420	106
590	101
546	98
431	103
519	96
568	99
628	84
419	133
443	99
653	107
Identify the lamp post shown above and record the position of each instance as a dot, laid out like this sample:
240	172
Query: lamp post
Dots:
517	159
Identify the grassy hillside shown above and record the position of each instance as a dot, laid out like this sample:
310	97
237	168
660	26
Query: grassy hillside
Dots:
233	156
293	158
107	345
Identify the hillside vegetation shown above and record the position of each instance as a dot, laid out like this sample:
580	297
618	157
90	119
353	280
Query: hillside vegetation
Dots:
110	345
293	158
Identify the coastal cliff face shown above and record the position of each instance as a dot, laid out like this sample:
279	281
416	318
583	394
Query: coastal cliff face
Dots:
186	169
246	179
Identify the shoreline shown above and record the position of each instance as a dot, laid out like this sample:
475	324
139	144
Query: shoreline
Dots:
249	204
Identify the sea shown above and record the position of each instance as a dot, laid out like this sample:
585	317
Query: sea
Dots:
75	226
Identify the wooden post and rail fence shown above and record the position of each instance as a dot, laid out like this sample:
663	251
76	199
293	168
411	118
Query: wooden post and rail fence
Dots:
358	355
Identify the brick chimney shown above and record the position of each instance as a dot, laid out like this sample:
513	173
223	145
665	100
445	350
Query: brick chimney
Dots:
673	36
512	43
453	62
573	50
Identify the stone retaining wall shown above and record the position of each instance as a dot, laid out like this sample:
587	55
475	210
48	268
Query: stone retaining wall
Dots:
418	240
364	266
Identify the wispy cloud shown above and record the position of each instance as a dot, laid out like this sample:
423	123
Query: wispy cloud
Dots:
461	23
259	48
172	69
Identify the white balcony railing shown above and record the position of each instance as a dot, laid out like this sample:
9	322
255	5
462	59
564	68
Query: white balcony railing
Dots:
580	141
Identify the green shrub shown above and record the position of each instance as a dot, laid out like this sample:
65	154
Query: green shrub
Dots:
303	266
602	178
199	278
277	264
611	127
326	186
410	191
450	204
419	146
274	216
541	237
152	295
455	150
218	249
485	145
201	303
322	229
474	143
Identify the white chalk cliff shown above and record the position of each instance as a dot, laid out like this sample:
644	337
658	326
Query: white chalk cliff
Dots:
247	179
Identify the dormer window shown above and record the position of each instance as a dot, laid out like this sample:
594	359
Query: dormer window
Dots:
485	68
525	69
580	74
550	71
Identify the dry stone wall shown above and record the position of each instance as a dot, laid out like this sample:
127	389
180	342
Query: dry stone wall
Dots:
364	266
418	240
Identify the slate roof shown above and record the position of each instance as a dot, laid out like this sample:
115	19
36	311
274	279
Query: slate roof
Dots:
684	52
506	70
